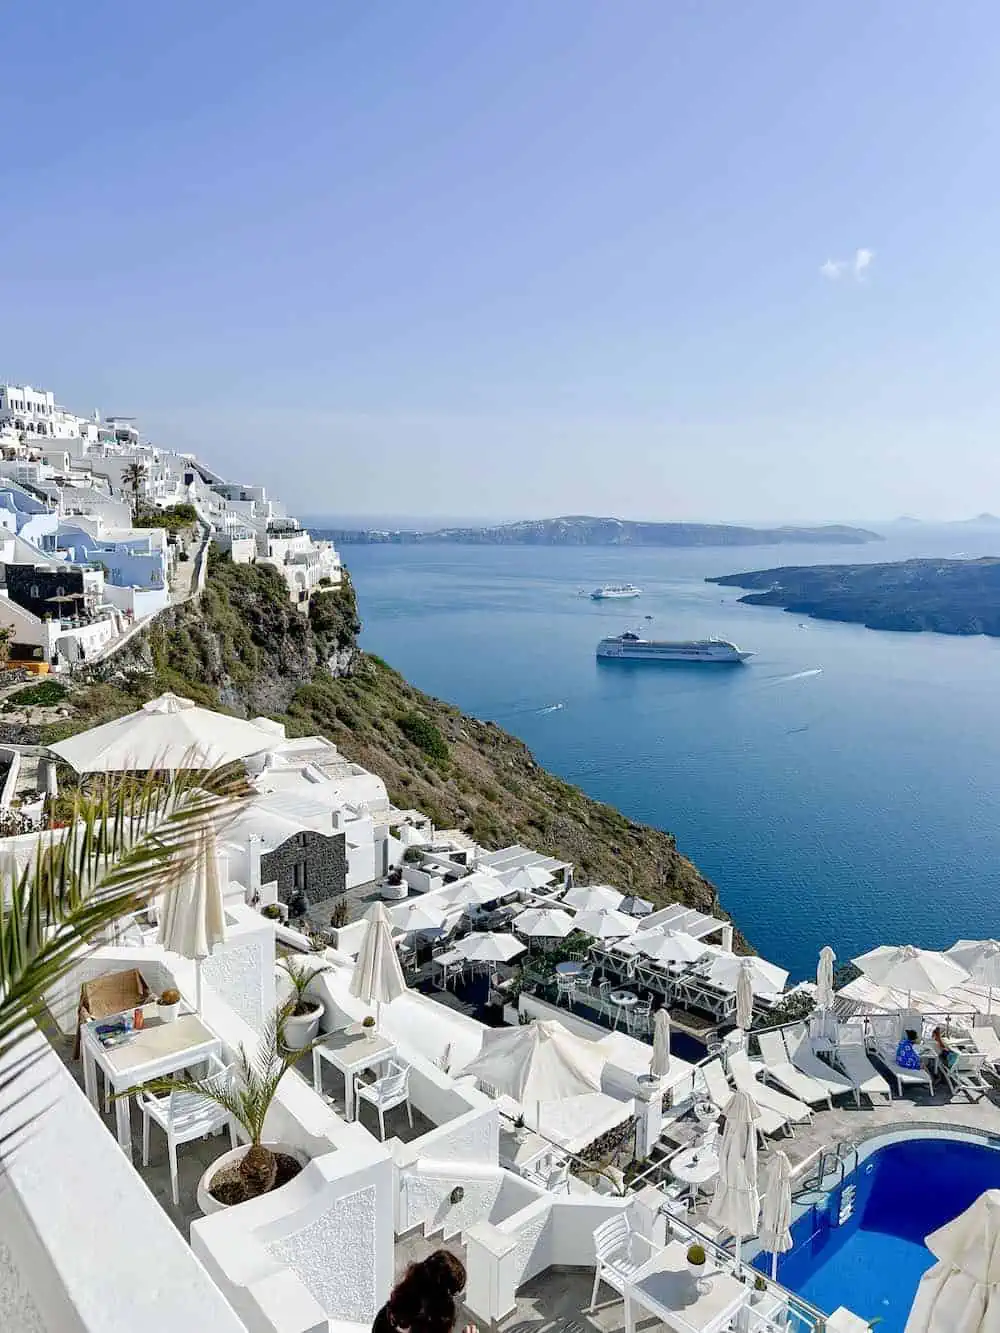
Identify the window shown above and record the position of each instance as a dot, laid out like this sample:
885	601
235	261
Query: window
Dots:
299	876
33	592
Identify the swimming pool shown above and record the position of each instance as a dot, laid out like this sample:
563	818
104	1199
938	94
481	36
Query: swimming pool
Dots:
873	1261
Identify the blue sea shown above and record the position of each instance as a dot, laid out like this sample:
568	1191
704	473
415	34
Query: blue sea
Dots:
840	788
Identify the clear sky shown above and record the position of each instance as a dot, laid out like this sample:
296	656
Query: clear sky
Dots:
660	258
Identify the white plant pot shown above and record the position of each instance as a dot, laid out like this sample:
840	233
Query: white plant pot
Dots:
208	1204
300	1029
697	1271
168	1012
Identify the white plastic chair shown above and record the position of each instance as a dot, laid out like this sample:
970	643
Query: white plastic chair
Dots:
387	1092
183	1117
617	1259
565	989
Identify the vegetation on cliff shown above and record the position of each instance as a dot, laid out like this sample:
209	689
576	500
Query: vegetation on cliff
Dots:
244	647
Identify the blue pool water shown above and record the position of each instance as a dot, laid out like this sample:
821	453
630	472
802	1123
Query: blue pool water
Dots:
873	1263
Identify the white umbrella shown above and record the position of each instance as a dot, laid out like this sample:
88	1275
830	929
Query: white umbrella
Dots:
672	947
192	915
744	996
421	914
906	968
605	924
593	897
539	1062
377	977
473	891
765	978
547	923
982	960
526	877
489	947
776	1208
735	1204
660	1063
961	1293
824	978
166	733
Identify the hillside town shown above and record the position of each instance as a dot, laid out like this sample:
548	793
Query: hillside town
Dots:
340	1038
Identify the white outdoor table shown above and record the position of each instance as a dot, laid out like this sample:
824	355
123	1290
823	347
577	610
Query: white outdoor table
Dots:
154	1051
694	1166
570	968
665	1288
451	963
523	1152
623	1000
350	1052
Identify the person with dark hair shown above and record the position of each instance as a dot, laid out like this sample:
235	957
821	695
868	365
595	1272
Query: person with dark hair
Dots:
425	1299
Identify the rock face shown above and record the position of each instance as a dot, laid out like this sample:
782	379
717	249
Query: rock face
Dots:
246	648
946	596
580	530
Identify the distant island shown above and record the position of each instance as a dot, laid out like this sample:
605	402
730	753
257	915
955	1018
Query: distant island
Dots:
945	596
582	530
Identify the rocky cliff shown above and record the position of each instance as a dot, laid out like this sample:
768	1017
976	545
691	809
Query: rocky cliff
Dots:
245	648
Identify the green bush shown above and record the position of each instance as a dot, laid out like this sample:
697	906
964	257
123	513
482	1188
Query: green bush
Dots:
45	692
422	733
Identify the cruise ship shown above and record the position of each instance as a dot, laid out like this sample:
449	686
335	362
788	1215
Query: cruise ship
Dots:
631	647
615	592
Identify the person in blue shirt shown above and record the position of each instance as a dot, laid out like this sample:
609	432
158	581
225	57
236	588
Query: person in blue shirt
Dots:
906	1052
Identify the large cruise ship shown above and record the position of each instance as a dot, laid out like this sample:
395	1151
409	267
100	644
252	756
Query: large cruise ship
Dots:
615	592
631	647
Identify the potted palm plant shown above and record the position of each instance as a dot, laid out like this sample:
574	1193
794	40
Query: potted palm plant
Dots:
302	1023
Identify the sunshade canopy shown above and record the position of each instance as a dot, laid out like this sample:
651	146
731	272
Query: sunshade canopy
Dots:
907	968
765	978
474	890
980	958
489	947
593	897
422	914
605	924
539	1062
544	923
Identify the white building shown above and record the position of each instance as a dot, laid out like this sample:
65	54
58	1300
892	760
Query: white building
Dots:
26	409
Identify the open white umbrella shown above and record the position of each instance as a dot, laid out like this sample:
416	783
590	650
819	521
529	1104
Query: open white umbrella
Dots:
669	947
377	977
539	1062
593	897
907	968
526	877
981	958
473	891
765	978
545	923
776	1208
167	733
961	1293
605	924
422	914
489	947
660	1063
735	1204
192	914
824	978
744	995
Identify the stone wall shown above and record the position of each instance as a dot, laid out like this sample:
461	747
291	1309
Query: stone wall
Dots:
316	863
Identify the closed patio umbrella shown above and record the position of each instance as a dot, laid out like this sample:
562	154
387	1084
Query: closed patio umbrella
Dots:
735	1204
660	1063
192	915
593	897
377	977
961	1293
744	996
544	923
605	924
907	968
489	947
776	1208
824	978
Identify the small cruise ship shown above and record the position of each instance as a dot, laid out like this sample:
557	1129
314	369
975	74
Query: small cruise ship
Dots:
631	647
609	592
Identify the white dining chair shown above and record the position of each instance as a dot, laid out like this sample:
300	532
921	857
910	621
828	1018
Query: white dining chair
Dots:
185	1116
617	1256
391	1090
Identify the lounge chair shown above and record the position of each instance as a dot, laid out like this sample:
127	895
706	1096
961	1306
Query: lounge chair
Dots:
864	1077
965	1075
720	1094
744	1078
886	1052
804	1058
987	1044
780	1070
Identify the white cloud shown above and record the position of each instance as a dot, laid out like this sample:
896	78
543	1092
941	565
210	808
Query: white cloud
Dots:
835	269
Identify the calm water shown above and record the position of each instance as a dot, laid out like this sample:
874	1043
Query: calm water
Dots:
841	788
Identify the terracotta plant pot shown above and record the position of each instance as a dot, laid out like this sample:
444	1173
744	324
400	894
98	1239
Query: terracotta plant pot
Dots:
208	1204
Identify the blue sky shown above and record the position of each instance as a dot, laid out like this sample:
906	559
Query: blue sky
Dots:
520	258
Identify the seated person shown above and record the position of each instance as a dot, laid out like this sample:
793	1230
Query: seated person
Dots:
945	1054
906	1052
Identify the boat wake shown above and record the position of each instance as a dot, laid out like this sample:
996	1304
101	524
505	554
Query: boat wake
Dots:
551	708
796	675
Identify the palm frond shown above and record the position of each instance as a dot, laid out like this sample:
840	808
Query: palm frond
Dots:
130	839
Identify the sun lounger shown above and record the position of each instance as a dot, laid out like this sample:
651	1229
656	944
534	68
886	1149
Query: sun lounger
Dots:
743	1076
965	1075
886	1052
780	1070
987	1044
864	1077
721	1094
803	1057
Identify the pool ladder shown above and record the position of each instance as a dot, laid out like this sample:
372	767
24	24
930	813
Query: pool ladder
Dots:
843	1159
